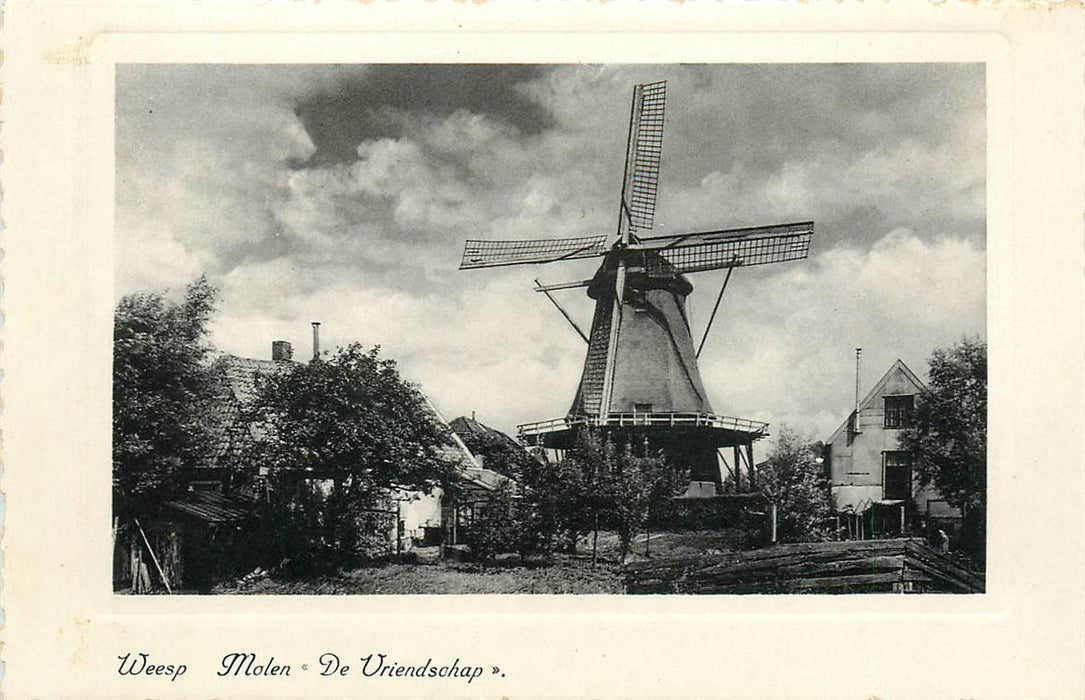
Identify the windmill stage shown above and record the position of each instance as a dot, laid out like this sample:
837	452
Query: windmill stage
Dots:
641	383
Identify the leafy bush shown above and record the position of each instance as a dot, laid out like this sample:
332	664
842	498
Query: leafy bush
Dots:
792	479
495	528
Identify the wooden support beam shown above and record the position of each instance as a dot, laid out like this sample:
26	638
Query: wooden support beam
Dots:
150	550
749	465
540	288
715	308
719	452
560	285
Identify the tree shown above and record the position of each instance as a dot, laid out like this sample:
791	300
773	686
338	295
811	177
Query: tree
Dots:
794	482
587	497
600	484
353	422
948	437
497	527
161	388
637	486
542	488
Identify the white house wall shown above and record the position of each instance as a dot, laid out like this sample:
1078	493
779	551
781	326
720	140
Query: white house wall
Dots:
857	470
417	511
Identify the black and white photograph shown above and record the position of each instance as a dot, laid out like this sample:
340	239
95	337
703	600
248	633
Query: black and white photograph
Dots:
550	329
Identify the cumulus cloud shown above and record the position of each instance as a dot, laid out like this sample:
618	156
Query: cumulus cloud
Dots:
495	350
343	194
783	345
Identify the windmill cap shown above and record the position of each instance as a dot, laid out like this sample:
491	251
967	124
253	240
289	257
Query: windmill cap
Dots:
645	270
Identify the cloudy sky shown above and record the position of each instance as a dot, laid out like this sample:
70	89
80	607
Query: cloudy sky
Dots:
342	194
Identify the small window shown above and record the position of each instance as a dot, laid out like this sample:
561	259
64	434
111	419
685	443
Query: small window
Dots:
898	411
897	484
642	408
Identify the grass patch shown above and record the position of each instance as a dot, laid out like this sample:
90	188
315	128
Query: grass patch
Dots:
423	573
571	575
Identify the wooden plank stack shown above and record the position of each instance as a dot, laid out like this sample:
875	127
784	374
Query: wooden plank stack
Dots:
853	566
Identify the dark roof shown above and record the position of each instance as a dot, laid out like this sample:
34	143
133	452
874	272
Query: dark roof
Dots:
240	373
212	507
232	436
484	478
469	427
235	389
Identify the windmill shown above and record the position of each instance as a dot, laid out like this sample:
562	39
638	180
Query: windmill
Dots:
640	379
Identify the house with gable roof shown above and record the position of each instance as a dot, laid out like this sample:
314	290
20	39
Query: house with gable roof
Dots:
414	517
223	487
873	488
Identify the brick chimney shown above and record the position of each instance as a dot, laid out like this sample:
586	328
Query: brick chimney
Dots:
281	351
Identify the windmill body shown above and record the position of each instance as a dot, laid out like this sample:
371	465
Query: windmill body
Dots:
653	364
641	382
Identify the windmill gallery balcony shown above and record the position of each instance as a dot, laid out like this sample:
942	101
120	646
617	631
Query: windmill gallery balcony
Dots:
691	439
559	433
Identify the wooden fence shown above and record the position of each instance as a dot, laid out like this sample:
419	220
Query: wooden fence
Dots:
854	566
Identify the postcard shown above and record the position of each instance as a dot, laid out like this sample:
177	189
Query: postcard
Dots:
465	351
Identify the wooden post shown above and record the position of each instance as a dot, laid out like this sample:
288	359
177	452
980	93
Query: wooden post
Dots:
399	538
749	463
133	563
595	540
150	550
738	468
772	523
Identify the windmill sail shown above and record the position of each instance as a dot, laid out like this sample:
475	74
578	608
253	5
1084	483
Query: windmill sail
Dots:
713	250
643	155
478	254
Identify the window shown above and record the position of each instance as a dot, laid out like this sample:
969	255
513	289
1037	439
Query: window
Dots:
898	411
827	460
897	482
642	408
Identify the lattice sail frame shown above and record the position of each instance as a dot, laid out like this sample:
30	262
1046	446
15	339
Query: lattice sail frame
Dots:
644	153
714	250
477	253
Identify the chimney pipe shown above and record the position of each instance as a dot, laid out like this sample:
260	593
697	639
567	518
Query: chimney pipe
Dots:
316	340
858	366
